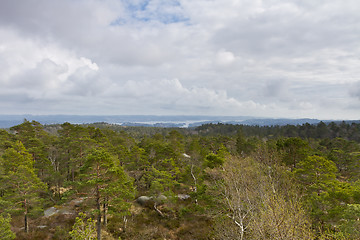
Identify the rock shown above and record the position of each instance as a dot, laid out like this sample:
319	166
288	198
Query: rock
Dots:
183	196
53	210
66	211
142	199
145	201
50	211
76	202
160	199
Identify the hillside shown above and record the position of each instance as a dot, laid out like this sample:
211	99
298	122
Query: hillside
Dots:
215	181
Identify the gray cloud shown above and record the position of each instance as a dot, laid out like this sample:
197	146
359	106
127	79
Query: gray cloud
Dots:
276	89
276	58
289	28
355	90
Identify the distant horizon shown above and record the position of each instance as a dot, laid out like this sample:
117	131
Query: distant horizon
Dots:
267	59
176	115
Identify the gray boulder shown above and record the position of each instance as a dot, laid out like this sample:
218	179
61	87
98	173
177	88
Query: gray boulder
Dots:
145	201
50	211
66	211
77	202
63	211
160	199
183	197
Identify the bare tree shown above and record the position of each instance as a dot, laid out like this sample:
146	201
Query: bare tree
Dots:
241	193
255	205
278	218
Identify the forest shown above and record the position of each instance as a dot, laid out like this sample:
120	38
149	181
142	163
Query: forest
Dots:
216	181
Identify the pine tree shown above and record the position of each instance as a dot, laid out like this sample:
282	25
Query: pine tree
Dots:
21	184
104	180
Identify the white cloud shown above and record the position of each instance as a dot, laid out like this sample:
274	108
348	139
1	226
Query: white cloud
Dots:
276	58
225	57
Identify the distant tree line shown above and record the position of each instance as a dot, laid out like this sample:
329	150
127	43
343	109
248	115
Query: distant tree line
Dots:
349	131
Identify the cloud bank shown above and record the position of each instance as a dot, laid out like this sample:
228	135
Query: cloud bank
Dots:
276	58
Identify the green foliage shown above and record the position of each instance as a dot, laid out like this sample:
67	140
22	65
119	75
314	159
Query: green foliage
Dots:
103	179
119	192
329	233
245	146
5	228
5	140
83	229
95	161
21	186
16	156
293	150
136	159
349	224
345	155
161	181
213	160
349	130
36	140
315	171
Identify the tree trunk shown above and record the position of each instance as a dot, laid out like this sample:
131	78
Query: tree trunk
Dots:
125	222
104	212
68	165
26	224
73	174
98	206
195	182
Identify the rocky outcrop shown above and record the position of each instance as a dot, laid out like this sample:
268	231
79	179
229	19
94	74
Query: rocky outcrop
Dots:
50	211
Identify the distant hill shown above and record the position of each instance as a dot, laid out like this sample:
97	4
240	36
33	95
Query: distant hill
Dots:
7	121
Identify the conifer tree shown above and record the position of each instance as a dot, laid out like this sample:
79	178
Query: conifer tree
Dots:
105	181
21	184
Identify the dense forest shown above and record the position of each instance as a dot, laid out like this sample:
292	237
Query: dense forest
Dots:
216	181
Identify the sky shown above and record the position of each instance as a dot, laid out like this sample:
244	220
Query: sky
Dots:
261	58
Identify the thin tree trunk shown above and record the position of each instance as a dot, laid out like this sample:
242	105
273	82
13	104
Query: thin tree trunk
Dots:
125	222
68	171
195	182
68	165
98	206
73	174
26	224
104	212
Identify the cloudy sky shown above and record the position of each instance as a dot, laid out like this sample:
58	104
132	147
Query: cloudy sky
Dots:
265	58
